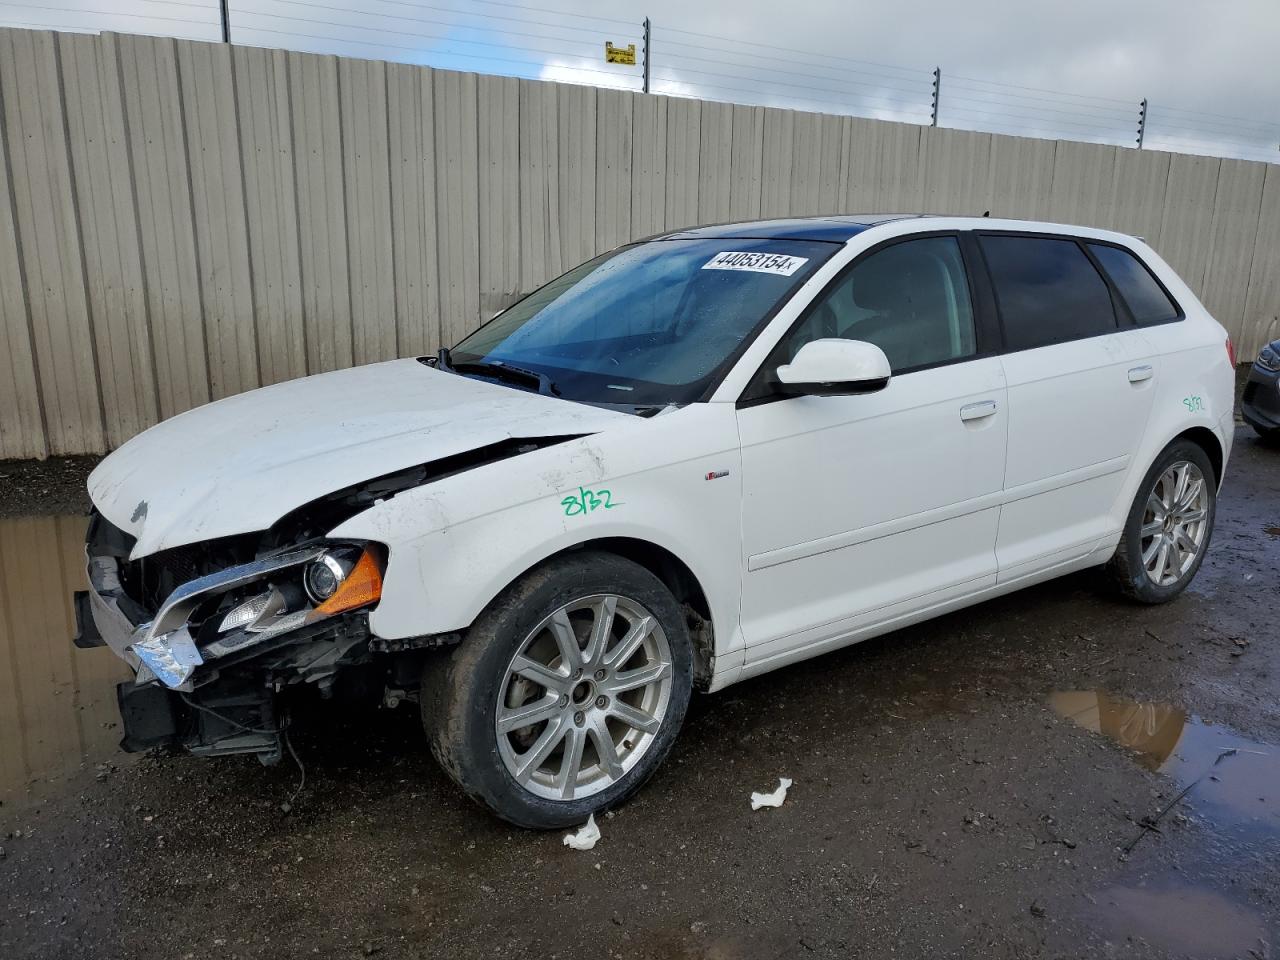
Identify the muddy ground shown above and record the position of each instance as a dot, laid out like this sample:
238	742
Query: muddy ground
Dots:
945	803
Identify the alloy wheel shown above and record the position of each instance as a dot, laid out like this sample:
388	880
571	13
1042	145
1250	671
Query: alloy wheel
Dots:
1175	523
584	697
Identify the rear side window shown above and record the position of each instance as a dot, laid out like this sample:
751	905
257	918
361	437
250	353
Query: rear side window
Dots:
1047	290
1140	291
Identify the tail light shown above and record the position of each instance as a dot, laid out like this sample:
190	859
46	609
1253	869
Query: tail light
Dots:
1231	352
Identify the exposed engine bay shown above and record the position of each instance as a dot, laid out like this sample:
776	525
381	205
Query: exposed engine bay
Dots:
223	634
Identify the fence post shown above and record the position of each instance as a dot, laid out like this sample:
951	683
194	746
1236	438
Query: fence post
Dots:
937	94
647	42
1142	122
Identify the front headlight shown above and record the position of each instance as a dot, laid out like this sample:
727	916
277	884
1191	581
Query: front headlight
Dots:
342	577
1269	358
255	601
325	575
359	585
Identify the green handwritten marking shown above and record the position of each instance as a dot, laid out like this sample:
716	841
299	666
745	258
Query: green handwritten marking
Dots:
1193	404
585	501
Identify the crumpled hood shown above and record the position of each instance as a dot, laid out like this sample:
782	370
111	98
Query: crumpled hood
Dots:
238	465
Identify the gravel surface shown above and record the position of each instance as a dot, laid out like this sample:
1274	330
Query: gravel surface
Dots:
38	487
941	807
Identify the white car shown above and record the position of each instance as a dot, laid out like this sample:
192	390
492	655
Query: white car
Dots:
689	461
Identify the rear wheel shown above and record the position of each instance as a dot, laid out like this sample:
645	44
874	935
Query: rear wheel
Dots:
1169	526
566	694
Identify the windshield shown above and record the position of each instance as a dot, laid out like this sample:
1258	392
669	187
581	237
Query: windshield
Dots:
649	324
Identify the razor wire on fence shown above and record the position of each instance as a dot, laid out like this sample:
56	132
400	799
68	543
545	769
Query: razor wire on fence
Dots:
535	42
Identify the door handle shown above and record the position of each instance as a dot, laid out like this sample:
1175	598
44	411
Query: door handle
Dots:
978	411
1139	374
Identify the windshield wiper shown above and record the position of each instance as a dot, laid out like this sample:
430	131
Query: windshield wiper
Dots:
500	370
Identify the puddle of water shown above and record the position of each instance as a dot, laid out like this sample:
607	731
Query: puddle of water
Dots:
57	703
1184	921
1237	781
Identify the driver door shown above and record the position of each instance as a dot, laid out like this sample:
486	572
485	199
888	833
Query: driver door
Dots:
861	510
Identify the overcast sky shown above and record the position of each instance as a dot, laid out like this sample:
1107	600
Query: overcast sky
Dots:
1222	56
1074	69
1217	56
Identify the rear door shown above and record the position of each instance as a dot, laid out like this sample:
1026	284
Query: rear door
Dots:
1080	389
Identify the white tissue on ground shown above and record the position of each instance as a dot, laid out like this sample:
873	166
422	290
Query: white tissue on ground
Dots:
586	836
774	799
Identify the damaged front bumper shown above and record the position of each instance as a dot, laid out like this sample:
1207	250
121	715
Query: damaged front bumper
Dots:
237	711
165	645
212	659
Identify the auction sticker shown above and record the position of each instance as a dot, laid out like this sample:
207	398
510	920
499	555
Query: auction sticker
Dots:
778	263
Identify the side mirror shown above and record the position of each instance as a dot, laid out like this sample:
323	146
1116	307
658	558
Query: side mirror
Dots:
834	368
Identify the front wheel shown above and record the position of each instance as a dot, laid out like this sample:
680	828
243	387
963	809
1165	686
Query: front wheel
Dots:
566	694
1169	526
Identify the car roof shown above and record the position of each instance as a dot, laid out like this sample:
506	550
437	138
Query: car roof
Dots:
834	229
840	228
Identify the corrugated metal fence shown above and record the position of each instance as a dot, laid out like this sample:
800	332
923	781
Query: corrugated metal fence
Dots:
180	221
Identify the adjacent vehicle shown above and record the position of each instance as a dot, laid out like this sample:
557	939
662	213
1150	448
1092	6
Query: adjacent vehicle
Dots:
1260	403
689	461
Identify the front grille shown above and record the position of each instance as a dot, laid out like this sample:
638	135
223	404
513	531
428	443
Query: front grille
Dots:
150	580
177	565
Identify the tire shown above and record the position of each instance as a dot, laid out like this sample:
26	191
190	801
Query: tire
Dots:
1128	568
517	662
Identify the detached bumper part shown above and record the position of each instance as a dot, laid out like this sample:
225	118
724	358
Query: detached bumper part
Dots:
172	657
221	722
235	724
147	714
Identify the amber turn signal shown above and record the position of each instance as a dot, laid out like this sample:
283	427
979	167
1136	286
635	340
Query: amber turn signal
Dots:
362	586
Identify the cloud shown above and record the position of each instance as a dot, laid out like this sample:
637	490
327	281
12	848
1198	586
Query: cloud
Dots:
1074	70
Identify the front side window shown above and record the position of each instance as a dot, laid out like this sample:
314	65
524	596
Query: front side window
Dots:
1047	291
652	323
911	299
1140	291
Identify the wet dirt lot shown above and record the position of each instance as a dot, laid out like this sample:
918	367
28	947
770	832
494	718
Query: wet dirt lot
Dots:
1052	774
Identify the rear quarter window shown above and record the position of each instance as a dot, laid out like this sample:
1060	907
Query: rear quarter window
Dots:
1047	291
1139	289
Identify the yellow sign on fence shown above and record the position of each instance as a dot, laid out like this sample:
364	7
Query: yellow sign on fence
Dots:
625	54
